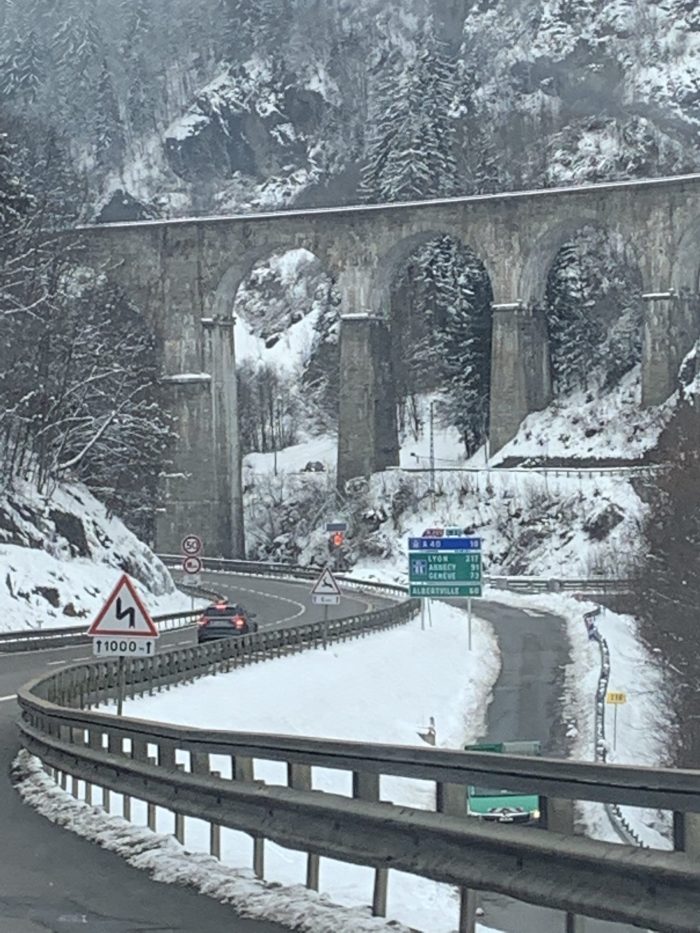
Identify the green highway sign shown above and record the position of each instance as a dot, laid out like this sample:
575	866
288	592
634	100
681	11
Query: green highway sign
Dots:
444	590
444	567
446	571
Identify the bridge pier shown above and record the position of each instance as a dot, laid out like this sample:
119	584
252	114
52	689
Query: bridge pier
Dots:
203	492
520	373
367	428
670	329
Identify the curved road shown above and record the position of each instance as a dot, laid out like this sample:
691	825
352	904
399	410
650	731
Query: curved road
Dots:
527	704
52	880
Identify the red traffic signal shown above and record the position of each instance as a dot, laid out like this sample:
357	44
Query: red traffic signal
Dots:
336	540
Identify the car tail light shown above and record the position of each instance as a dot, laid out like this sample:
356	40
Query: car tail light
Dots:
202	621
239	621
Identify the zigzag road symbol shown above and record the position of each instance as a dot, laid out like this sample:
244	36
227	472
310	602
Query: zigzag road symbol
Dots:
123	614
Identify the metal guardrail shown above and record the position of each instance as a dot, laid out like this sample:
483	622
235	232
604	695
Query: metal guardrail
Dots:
516	584
34	639
653	889
39	639
631	471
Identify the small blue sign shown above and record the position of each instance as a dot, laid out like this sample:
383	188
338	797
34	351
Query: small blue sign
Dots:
444	544
419	566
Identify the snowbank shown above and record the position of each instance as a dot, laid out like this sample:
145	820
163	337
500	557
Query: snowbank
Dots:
169	862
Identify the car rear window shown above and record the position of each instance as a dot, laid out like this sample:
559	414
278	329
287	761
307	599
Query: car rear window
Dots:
226	611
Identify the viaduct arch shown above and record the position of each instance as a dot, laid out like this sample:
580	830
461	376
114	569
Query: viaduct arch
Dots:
184	274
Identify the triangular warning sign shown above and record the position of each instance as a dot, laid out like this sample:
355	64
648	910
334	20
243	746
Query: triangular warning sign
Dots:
326	585
124	614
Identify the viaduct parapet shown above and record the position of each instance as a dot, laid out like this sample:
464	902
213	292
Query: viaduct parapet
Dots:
185	273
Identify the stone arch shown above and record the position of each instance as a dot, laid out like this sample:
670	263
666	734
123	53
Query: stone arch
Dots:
400	252
607	337
415	334
539	259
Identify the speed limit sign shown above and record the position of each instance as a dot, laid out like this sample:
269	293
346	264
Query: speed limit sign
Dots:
191	545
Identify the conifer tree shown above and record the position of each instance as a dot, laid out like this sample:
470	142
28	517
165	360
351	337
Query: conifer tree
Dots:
409	151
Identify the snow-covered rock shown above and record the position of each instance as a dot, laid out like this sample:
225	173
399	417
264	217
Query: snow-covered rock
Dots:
61	557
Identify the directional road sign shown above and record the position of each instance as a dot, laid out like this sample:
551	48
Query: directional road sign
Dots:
192	565
191	545
444	567
325	591
616	697
124	616
444	544
336	526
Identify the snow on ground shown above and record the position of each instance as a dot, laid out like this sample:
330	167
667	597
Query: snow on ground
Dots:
642	727
593	423
531	523
288	354
381	689
293	459
61	560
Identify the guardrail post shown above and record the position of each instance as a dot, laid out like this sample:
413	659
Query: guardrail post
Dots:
299	778
686	833
451	799
259	857
557	816
151	807
242	769
179	818
215	831
467	910
365	786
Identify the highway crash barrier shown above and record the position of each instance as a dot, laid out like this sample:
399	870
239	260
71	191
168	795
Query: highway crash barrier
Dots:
652	889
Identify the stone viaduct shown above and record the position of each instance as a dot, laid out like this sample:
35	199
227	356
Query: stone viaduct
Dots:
184	275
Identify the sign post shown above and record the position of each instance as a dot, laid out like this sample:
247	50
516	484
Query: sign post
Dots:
325	592
191	547
123	628
615	698
445	566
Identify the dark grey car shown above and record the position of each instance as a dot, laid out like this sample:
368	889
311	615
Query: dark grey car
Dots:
224	620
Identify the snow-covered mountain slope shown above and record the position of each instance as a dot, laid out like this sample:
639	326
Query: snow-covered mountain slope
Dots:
61	558
194	110
592	424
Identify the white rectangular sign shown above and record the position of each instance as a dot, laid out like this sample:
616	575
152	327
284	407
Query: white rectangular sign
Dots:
325	599
119	647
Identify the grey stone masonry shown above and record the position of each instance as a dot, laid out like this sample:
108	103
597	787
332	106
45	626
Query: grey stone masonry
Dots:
520	380
185	271
367	430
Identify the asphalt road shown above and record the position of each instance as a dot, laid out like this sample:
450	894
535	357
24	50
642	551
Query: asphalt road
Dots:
527	704
52	880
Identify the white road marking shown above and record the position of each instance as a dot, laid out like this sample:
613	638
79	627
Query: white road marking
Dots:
282	599
12	696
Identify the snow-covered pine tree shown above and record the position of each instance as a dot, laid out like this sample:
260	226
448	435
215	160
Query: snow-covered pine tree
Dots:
108	129
14	197
464	340
593	305
142	85
26	66
409	152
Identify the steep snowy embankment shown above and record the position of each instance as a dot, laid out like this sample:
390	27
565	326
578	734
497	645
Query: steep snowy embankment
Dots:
61	558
